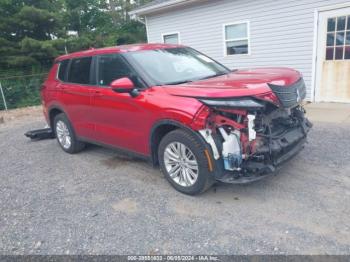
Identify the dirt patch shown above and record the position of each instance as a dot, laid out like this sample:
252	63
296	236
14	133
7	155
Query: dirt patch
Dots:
189	209
126	205
118	161
20	113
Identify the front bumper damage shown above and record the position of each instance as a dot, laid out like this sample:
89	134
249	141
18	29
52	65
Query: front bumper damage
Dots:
282	149
269	153
250	143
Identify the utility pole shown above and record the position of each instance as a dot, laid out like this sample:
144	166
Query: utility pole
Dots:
3	96
65	46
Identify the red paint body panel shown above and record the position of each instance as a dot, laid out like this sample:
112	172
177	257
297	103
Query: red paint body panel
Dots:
123	121
118	119
239	83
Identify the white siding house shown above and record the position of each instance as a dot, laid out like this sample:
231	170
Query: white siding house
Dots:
263	33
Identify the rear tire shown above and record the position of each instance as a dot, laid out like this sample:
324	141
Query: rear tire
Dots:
65	135
188	172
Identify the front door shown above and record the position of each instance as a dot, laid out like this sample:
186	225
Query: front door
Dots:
120	120
333	56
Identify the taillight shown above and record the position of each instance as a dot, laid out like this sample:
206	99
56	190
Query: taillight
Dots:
42	92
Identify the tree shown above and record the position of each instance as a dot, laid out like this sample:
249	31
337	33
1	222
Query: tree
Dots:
33	32
25	25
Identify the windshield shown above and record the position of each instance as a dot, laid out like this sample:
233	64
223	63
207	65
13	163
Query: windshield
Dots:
177	65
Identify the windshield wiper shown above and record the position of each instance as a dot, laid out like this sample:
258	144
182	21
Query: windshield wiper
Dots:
203	78
179	82
211	76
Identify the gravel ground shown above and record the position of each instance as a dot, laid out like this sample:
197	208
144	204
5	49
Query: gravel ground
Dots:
100	202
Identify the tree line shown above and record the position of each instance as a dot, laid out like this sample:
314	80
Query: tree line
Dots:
34	32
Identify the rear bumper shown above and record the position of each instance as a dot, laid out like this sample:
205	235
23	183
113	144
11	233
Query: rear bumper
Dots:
40	134
269	157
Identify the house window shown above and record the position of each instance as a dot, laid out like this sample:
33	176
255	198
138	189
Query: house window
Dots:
236	38
171	38
338	38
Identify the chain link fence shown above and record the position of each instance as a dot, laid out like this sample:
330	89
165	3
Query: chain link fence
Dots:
20	90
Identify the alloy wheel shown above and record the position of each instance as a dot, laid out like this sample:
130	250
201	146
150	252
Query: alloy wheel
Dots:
181	164
63	134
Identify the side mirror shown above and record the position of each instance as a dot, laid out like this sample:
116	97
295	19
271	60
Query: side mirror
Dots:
122	85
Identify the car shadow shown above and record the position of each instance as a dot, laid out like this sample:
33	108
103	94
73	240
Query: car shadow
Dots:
114	159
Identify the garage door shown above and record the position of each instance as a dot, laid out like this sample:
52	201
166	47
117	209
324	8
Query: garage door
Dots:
333	56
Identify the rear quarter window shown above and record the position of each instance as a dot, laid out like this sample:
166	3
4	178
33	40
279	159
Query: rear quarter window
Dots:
62	69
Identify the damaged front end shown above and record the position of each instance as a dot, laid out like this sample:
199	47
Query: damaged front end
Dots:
250	137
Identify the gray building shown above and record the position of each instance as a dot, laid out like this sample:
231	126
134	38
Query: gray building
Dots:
312	36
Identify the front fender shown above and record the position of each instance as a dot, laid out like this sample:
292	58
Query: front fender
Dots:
169	125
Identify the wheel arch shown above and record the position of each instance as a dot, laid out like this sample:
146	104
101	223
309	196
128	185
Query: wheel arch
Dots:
54	111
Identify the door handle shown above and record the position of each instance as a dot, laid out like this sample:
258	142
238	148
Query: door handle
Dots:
98	93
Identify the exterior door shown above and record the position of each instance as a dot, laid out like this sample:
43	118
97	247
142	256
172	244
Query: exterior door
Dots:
333	56
75	94
76	99
120	120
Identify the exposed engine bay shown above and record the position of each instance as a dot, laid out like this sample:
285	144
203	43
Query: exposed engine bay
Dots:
250	137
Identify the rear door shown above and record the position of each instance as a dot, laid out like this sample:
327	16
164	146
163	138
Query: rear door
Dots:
75	95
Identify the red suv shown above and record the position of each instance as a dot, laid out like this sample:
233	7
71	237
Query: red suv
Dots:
198	120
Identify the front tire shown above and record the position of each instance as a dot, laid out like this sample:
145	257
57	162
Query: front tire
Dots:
183	162
65	135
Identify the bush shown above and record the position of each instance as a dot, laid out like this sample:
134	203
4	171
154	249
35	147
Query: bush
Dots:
22	91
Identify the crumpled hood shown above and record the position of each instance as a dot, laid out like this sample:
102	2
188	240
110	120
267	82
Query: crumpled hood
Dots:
248	82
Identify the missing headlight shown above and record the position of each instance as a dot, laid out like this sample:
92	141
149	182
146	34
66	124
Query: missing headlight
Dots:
244	103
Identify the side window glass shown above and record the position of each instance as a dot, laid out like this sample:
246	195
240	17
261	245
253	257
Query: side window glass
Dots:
112	67
62	70
79	71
